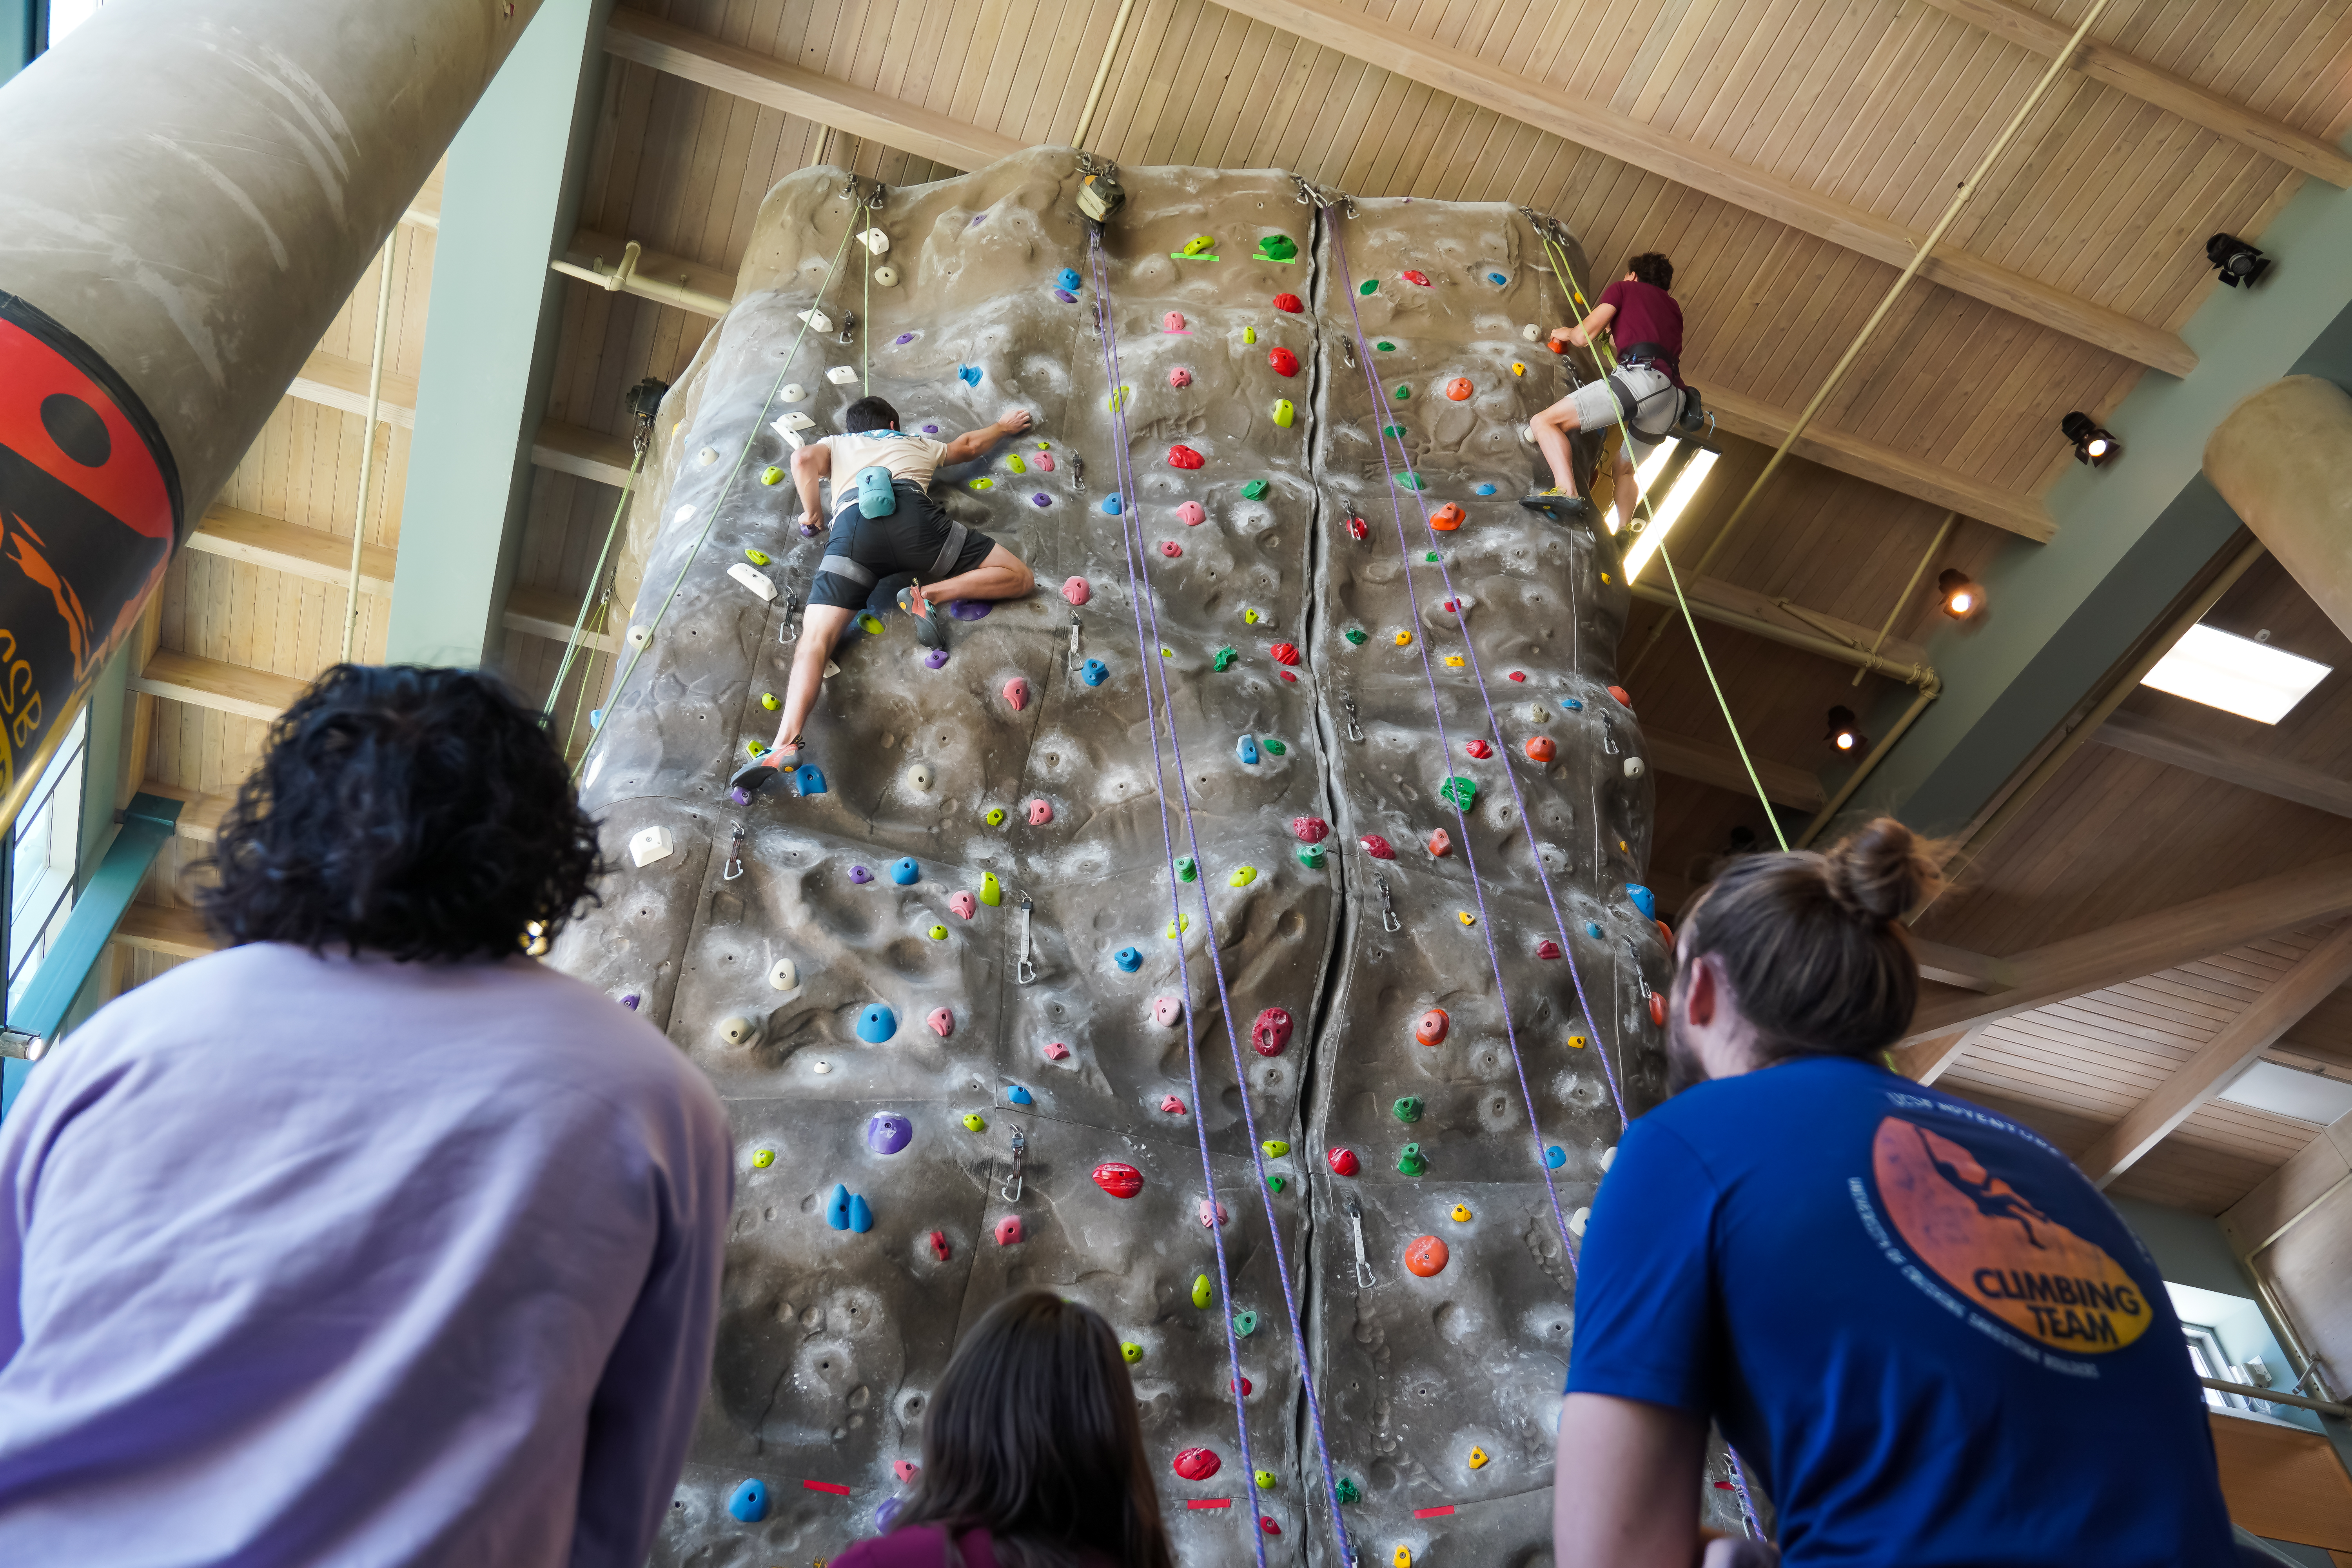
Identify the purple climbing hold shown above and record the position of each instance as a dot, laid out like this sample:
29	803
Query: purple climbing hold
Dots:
887	1134
1066	297
860	875
902	338
936	659
930	429
977	220
631	1001
739	796
1042	499
885	1511
971	609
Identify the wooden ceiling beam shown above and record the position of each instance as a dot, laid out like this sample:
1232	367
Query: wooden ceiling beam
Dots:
1720	766
340	382
1333	24
2163	742
2316	975
282	546
761	78
1925	1061
583	453
2128	950
216	684
544	613
199	819
175	932
1712	598
2175	94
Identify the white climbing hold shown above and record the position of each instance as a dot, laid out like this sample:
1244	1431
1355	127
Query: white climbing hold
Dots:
1576	1221
875	241
751	577
1633	767
738	1031
818	320
841	374
647	845
793	392
822	1067
1609	1156
887	276
1531	331
830	670
919	777
639	637
706	457
785	976
683	514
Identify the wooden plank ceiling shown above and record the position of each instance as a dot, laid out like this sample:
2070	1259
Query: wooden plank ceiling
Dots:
1780	151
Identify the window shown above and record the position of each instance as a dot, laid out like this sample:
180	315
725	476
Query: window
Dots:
44	851
65	16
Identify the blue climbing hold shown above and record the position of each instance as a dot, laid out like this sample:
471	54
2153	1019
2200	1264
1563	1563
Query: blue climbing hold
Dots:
1094	672
905	872
1555	1156
1112	505
1572	704
1497	278
968	374
596	718
1247	750
885	1511
861	1218
1592	930
808	779
874	496
1016	1095
1068	278
749	1502
1643	899
876	1024
837	1208
1485	489
1127	959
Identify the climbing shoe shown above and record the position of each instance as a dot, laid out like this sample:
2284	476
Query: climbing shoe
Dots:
753	775
1558	503
927	630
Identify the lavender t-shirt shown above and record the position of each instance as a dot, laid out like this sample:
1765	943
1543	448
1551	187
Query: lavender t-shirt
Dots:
311	1260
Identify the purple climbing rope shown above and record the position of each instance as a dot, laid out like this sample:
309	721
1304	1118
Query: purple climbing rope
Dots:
1214	1213
1138	585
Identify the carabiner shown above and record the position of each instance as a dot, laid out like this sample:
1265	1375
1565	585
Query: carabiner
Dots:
1010	1188
1389	921
734	866
1348	698
1024	972
1364	1279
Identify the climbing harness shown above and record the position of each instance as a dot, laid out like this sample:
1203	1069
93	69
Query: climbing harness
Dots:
1156	671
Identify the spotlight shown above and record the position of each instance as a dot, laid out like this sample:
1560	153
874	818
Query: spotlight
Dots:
1959	595
2241	264
2092	445
1845	732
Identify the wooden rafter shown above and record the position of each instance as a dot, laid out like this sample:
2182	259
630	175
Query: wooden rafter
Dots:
1720	765
310	553
2154	739
217	684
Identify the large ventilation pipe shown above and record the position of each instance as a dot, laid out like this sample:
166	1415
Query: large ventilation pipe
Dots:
2283	459
191	193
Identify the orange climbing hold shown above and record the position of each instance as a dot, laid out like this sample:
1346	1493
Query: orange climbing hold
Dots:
1289	303
1459	389
1425	1256
1625	699
1441	844
1433	1027
1657	1010
1447	518
1540	749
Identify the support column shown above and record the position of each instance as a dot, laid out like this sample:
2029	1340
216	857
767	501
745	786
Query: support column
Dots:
510	203
2283	459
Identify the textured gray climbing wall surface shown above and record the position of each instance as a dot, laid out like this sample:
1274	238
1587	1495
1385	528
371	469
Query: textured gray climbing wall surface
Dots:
881	1201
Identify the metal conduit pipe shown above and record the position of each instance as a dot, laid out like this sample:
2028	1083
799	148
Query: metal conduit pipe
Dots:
627	280
1929	690
1863	659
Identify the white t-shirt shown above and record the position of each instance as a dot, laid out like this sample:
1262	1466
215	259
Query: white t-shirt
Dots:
913	458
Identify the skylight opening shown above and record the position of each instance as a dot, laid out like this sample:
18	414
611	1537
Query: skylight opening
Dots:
2235	673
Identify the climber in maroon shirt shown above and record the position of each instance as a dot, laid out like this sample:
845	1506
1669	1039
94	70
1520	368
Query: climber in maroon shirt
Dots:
1645	392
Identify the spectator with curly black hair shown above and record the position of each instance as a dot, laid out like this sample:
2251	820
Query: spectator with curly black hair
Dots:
368	1239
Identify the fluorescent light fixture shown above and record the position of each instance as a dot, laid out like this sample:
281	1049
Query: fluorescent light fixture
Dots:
2292	1092
2235	673
1662	516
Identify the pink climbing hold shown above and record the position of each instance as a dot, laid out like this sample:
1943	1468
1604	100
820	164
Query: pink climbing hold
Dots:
1040	813
964	904
1180	376
1291	303
940	1250
1441	844
1044	461
1170	549
1547	949
1182	456
1192	514
1420	278
1056	1052
1173	322
1478	749
1016	692
1008	1231
1285	363
905	1469
1376	847
1172	1106
1284	653
1212	1214
1433	1027
1167	1010
1271	1033
1076	590
1198	1464
1310	830
1540	749
942	1022
1344	1162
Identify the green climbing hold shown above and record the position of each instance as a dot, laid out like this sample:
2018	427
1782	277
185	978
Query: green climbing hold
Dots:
1254	490
1462	791
1278	248
1354	634
1411	480
1187	869
1393	430
1410	1162
1431	558
771	475
1385	346
1245	1322
992	891
1368	286
983	484
1401	393
1224	659
1201	1297
757	557
1407	1108
1271	746
1346	1489
1311	856
1274	1184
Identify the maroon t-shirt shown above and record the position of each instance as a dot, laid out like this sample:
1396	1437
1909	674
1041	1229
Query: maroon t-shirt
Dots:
918	1546
1646	314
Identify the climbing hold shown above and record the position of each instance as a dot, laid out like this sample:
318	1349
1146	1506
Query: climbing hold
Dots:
1265	1479
1633	767
968	374
1199	245
1420	278
1275	1148
1180	376
876	1024
1173	322
1016	692
1409	479
1402	392
1242	877
1547	948
1012	461
1376	847
888	1133
1309	829
1343	1161
1432	1027
963	904
1459	389
1181	457
1212	1214
1128	959
785	976
771	475
1462	791
1167	1010
1643	899
1040	813
1068	278
1346	1489
1405	639
936	659
1441	844
836	1209
1271	1033
1170	549
1284	653
1278	248
763	1159
860	875
1247	750
631	1001
1477	1458
708	454
749	1501
1056	1052
1355	634
1452	661
1222	659
1311	856
1245	1322
983	484
1094	672
973	1121
888	276
1577	1041
1251	617
1075	590
993	816
1385	346
1182	922
1285	413
1284	362
1187	868
1016	1095
1172	1105
1407	1108
941	1021
1249	334
738	1031
1539	749
904	871
1120	1181
1447	518
769	701
1410	1162
1198	1464
1478	749
1252	490
1572	704
1360	530
1425	1256
1008	1231
647	845
1130	1352
1192	514
1657	1010
1200	1294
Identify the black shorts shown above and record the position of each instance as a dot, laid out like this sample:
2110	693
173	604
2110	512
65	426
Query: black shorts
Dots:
917	541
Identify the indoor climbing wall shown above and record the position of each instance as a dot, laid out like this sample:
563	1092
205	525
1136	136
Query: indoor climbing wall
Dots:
946	977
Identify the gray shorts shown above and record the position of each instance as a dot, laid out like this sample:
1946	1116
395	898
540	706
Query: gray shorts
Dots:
1648	423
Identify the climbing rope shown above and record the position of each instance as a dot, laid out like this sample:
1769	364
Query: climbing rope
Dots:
1139	589
588	600
751	438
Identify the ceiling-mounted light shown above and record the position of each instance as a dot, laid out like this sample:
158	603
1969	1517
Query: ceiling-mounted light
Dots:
1845	732
2241	264
2235	673
1958	594
1679	495
2092	445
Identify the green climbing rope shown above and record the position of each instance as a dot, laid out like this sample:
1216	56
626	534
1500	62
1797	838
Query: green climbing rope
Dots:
595	581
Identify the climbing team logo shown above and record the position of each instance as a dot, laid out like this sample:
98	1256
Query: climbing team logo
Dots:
2000	1250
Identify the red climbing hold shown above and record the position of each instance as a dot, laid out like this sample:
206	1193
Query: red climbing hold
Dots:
1358	528
1170	549
1419	278
1284	653
1540	749
1310	830
1624	698
1519	675
1270	1032
1441	843
1285	363
1198	1464
940	1250
1290	303
1425	1256
1120	1181
1376	847
1657	1010
1666	935
1447	518
1547	949
1343	1161
1008	1231
1244	1387
1431	1029
1288	676
1268	1525
1459	389
1181	456
1478	749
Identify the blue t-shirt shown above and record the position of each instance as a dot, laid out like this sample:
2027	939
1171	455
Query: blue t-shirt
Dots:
1930	1340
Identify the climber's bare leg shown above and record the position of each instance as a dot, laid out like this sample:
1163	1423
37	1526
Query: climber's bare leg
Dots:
821	629
1551	428
1001	574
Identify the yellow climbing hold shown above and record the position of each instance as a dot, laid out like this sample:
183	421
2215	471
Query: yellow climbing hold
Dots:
1249	334
1604	576
870	623
975	1122
1284	412
1242	877
1453	661
1519	369
1012	461
757	557
764	1158
1118	400
1249	617
1044	446
1275	1148
768	700
990	485
1182	922
1477	1458
1404	1558
992	891
939	933
1405	639
1201	1297
1466	916
1266	1480
1131	1351
1577	1041
771	475
1461	1214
